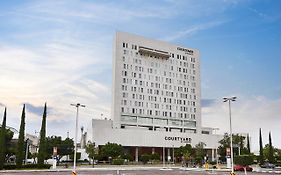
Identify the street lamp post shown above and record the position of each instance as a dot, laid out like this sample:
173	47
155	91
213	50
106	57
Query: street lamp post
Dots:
229	100
76	127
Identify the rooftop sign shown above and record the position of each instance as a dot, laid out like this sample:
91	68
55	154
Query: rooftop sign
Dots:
187	51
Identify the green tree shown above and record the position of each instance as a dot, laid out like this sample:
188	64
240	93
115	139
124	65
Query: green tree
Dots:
145	158
10	148
271	154
20	148
261	158
185	153
129	157
78	156
266	152
155	156
64	147
248	144
239	140
225	143
112	150
278	154
91	150
183	150
42	153
3	141
199	152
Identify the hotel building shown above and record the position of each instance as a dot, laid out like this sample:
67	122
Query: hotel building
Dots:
156	97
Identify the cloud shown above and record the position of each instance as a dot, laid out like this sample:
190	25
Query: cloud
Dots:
207	102
267	17
248	115
1	104
260	14
193	30
37	110
59	73
69	11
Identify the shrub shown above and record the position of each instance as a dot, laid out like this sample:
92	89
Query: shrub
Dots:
145	158
78	156
155	156
213	162
28	166
118	161
278	163
128	157
9	167
244	160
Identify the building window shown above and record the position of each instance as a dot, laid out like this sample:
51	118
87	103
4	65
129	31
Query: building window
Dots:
206	132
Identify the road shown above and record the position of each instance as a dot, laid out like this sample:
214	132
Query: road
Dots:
128	172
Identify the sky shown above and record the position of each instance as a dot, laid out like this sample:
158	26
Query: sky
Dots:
60	52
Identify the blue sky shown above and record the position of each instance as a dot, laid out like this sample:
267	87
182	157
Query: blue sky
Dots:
61	52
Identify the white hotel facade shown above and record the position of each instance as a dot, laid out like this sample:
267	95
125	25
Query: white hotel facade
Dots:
156	98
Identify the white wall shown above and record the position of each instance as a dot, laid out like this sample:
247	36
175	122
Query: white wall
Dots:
103	133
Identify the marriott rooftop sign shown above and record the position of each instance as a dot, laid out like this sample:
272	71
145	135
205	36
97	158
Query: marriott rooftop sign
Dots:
187	51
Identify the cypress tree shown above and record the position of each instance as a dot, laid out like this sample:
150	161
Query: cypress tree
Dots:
2	141
248	144
42	144
270	156
261	150
20	148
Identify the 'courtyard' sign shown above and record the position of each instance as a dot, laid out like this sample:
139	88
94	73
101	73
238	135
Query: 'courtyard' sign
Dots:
180	139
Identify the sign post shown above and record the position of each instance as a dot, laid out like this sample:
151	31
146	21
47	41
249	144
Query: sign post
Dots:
228	160
55	153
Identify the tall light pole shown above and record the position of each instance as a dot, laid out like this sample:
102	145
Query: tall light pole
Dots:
229	100
76	127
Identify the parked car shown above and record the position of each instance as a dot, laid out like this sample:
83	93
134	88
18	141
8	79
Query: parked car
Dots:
267	165
241	168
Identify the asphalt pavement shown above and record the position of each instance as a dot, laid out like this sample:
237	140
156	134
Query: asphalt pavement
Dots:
129	171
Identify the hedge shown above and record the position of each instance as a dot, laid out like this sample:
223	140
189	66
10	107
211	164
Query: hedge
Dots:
28	166
244	160
118	161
